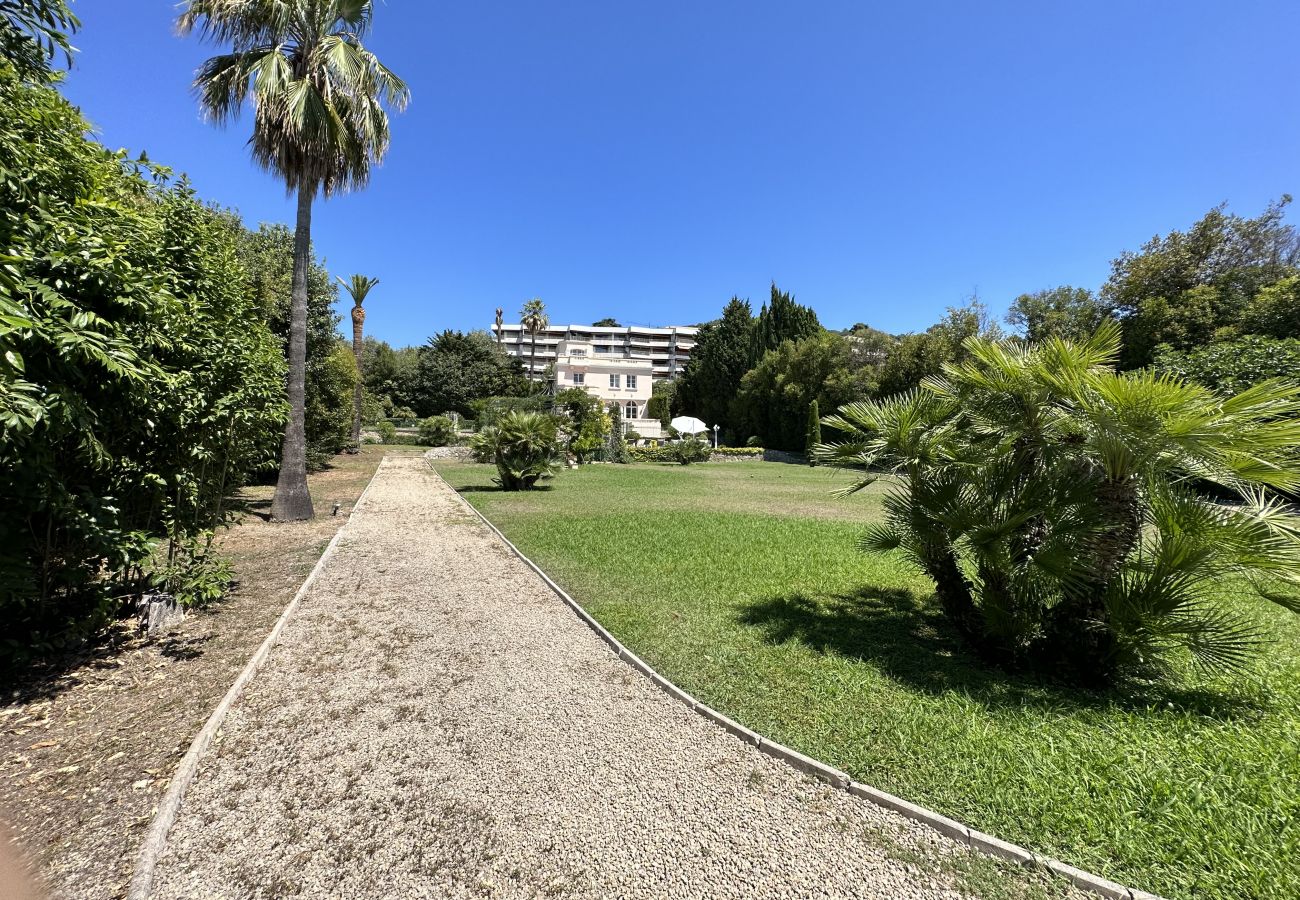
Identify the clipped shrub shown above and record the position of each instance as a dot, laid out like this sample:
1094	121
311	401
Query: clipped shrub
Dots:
739	451
651	454
436	431
387	432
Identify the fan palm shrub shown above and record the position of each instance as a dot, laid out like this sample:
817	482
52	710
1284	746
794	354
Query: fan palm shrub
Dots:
523	445
1074	518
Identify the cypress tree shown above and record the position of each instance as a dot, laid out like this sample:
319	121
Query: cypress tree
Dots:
814	431
781	320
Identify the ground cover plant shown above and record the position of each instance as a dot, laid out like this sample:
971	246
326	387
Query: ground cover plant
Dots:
739	581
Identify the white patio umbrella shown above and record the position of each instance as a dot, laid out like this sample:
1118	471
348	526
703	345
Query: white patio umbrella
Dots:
689	425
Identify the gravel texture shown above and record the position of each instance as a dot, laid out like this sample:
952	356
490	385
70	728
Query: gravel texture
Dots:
436	723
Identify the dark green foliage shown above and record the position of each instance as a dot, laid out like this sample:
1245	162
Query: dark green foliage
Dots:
660	404
524	446
719	360
1066	312
390	375
387	432
455	369
774	397
587	423
616	452
606	323
689	450
780	320
814	434
328	412
1275	311
1232	366
918	356
1186	288
437	431
139	384
267	255
1048	498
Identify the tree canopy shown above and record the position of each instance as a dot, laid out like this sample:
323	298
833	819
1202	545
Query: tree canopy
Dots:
457	368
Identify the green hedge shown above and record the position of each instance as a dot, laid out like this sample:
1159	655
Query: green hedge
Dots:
651	454
667	453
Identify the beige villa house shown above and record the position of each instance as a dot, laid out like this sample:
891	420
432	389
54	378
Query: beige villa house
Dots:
618	364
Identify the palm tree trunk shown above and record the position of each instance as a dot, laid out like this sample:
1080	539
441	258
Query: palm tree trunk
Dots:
532	363
358	323
292	501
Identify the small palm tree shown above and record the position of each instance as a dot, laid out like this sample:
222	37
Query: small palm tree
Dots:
1072	517
320	123
358	287
523	445
533	318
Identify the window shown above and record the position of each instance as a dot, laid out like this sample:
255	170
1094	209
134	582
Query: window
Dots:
579	377
613	381
631	411
577	351
631	382
603	348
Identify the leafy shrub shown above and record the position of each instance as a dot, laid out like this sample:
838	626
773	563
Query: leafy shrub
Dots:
1050	499
1232	366
754	441
589	424
437	431
387	432
139	382
523	445
616	449
691	450
192	571
740	451
651	454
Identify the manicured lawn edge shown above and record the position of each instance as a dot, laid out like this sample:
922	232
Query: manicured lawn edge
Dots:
976	840
169	806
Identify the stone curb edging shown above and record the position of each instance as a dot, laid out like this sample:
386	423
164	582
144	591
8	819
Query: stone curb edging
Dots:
169	806
975	840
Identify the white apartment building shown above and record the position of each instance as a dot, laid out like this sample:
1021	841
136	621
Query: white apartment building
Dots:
615	363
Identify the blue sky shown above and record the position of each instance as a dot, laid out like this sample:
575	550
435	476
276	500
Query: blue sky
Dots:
648	161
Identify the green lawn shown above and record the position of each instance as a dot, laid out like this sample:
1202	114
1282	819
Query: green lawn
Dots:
740	582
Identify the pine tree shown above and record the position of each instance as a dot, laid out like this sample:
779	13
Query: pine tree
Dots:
814	431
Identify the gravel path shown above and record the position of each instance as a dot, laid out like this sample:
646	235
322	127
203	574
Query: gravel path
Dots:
436	723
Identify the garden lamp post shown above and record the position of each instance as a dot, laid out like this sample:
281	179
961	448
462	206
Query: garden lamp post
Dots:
715	437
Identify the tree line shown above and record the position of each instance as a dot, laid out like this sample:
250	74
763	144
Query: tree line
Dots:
1218	304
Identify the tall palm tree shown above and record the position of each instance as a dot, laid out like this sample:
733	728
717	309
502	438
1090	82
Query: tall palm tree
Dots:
319	102
358	287
533	318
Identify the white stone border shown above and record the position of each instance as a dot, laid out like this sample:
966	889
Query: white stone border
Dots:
976	840
169	806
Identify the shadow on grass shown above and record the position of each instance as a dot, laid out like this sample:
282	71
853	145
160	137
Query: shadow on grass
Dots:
497	489
908	639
